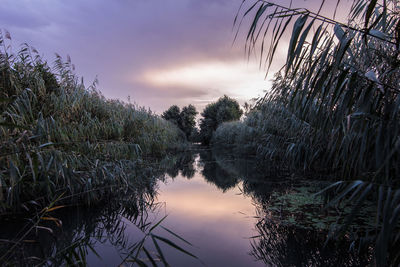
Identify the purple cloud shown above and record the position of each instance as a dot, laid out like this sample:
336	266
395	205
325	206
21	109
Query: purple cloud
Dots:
122	38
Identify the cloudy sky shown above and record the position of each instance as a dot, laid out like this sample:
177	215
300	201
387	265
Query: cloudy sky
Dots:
158	52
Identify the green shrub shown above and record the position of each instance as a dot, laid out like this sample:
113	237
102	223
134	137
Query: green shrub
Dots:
224	110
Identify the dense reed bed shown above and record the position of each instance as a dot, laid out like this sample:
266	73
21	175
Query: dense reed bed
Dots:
334	109
62	140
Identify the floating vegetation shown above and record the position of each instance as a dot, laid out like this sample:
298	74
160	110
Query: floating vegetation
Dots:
333	110
300	206
292	223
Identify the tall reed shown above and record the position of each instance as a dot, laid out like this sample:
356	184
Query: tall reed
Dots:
334	107
59	137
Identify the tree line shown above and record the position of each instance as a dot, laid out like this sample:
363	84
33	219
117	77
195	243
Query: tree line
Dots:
225	109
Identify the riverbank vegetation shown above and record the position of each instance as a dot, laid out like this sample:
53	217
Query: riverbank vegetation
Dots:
185	119
72	235
291	230
333	111
224	110
62	140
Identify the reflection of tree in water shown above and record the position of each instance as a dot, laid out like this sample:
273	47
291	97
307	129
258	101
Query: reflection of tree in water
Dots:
226	171
83	228
223	178
277	244
183	163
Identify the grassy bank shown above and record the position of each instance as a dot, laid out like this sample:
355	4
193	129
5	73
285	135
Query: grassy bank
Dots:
333	110
60	138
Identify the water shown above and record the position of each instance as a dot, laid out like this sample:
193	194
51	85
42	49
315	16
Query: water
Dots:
217	221
219	205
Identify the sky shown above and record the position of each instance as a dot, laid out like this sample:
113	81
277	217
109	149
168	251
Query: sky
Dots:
156	52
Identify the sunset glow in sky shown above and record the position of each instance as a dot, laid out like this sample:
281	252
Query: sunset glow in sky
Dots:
238	79
158	52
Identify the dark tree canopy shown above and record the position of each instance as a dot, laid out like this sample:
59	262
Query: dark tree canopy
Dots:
185	119
188	119
225	109
172	115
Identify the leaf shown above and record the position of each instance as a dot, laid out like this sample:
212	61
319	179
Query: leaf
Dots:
328	187
160	221
54	208
172	244
298	26
45	228
253	26
276	40
339	32
172	233
345	192
370	9
149	257
159	250
245	14
58	222
315	40
46	144
301	41
371	76
378	34
93	250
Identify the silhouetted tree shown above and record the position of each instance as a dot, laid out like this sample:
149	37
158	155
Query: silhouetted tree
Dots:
172	114
185	119
225	109
188	120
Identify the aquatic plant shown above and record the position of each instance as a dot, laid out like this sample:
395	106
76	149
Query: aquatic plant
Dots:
334	108
69	236
59	137
291	229
278	244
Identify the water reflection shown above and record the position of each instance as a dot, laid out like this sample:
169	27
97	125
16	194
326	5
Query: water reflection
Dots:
218	222
223	178
82	232
182	164
282	245
276	243
217	202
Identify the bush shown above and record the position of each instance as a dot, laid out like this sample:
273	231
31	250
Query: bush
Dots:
225	109
185	119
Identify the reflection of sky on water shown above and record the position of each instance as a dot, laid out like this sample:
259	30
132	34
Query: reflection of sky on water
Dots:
218	224
206	208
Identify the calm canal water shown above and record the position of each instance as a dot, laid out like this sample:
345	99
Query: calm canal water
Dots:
219	205
218	222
